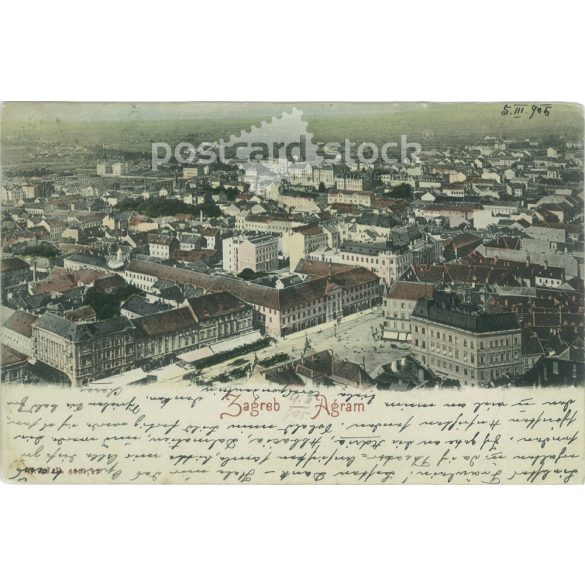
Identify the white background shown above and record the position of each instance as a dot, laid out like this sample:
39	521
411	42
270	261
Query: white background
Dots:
441	51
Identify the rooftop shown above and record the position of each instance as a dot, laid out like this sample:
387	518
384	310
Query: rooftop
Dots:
411	291
11	357
449	311
21	322
78	332
165	322
12	263
214	305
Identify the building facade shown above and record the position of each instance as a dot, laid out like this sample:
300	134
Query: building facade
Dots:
84	351
350	197
399	303
255	252
388	260
304	240
220	316
161	246
163	334
460	342
17	332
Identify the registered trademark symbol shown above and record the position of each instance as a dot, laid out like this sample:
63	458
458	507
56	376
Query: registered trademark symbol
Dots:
427	134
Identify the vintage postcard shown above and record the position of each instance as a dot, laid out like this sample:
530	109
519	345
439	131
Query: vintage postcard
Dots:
292	293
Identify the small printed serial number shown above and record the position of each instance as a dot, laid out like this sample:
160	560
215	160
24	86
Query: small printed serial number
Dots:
530	110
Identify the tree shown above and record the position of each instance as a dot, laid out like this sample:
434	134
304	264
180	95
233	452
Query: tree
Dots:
158	207
249	274
403	191
107	305
44	250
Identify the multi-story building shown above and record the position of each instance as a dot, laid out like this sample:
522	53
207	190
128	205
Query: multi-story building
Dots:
319	299
119	169
160	246
350	197
256	252
275	223
390	259
455	213
190	172
323	297
76	262
17	332
303	240
350	182
399	303
117	221
305	174
103	168
460	341
84	351
162	334
220	316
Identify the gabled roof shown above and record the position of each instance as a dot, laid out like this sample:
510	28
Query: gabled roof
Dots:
214	305
433	311
81	313
11	357
411	291
165	322
140	306
21	322
250	292
76	332
12	263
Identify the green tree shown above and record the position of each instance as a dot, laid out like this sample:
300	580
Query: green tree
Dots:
107	305
44	250
403	191
249	274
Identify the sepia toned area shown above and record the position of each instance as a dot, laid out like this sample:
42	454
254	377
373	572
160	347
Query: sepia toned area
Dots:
410	253
162	434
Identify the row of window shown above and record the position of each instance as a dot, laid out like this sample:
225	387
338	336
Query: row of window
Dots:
482	344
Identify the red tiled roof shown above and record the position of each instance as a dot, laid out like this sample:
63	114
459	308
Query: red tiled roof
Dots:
411	291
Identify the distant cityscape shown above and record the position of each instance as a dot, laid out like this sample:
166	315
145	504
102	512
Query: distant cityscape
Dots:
458	265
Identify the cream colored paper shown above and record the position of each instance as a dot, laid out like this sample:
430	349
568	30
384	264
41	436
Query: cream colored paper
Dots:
157	434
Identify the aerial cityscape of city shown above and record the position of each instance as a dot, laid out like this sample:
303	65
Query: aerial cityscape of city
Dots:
363	246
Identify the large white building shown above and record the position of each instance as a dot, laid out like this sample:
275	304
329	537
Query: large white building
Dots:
464	343
388	260
350	197
160	246
255	252
303	240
